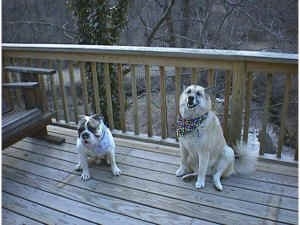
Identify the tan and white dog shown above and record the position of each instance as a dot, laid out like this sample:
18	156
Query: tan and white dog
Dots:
203	147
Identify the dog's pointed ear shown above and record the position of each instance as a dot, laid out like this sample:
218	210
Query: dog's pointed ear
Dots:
81	118
210	90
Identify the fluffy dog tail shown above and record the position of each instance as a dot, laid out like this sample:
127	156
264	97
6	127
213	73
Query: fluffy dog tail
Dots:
246	160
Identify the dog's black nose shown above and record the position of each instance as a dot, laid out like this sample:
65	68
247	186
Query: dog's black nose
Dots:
85	135
191	100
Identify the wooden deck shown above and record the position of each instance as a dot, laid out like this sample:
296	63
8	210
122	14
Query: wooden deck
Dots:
40	186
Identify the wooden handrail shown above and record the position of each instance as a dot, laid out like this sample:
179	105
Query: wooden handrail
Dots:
234	55
207	58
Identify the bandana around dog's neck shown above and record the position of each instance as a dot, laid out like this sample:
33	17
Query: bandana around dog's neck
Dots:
185	126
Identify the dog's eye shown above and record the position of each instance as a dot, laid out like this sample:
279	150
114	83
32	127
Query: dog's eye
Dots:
199	93
91	128
189	91
80	130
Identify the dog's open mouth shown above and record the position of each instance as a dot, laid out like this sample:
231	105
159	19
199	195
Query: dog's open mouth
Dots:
191	106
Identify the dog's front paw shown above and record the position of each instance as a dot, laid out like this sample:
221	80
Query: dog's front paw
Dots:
85	176
116	171
181	171
200	184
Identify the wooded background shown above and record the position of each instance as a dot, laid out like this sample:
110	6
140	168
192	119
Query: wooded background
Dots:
225	24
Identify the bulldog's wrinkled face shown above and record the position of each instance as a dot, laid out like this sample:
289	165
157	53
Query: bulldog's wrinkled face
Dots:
194	102
90	129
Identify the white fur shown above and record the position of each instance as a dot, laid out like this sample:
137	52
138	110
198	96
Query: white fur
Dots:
204	150
86	150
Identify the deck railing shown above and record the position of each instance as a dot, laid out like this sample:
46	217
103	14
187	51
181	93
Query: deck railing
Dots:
69	92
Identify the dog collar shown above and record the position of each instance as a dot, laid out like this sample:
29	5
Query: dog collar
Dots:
185	126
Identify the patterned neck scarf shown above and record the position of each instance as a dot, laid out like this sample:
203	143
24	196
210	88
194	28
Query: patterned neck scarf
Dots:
185	126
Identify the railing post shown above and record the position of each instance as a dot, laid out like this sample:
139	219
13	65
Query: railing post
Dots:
96	88
63	92
177	90
238	86
109	108
227	93
212	84
283	113
194	79
249	84
266	114
73	90
149	101
121	98
163	103
83	76
53	90
135	101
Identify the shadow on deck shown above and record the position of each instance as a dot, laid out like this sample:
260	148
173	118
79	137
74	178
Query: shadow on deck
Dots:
40	186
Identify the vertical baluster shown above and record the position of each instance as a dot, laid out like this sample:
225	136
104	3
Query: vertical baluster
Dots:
16	78
28	62
41	80
7	101
149	101
247	107
22	62
283	114
177	90
5	73
211	84
109	109
96	88
238	86
163	103
121	98
73	91
296	152
134	99
266	114
9	74
83	77
53	90
194	79
63	92
226	103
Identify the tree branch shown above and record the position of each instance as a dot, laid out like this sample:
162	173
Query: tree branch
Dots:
159	23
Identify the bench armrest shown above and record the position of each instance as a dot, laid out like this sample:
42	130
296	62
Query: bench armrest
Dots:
29	70
16	85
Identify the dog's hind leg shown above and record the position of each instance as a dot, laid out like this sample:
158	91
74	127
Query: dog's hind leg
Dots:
183	168
107	158
224	167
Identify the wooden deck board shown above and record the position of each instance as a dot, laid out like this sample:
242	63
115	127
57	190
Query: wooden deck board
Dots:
12	218
36	211
41	175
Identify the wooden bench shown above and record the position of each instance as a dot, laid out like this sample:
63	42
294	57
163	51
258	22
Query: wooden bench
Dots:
33	118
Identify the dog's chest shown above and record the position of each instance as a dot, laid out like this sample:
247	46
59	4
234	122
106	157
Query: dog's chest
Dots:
193	139
102	147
